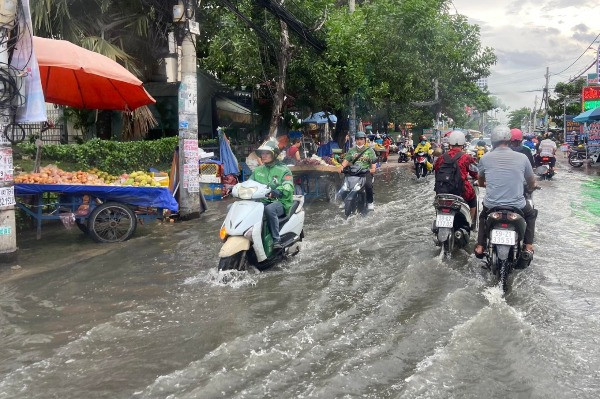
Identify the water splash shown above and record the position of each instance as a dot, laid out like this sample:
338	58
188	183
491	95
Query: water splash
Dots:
227	278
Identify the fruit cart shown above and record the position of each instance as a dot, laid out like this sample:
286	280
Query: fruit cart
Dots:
318	180
105	213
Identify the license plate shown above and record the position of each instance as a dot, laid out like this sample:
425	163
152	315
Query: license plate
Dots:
504	237
444	220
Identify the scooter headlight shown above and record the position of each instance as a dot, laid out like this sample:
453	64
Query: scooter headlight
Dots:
246	192
248	233
223	233
357	187
345	187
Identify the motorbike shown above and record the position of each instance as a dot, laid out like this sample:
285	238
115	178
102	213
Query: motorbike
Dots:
421	164
544	171
505	231
578	156
452	225
353	191
403	155
245	233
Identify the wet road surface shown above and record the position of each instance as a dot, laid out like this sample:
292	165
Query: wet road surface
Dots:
367	309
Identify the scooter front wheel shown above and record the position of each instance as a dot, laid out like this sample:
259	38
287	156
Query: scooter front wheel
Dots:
349	207
237	261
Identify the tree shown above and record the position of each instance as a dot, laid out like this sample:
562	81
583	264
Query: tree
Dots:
569	92
519	117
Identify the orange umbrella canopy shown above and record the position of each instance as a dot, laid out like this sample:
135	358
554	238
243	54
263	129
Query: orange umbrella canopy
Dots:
74	76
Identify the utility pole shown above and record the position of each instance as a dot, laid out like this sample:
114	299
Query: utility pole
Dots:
545	100
8	234
351	9
189	186
533	112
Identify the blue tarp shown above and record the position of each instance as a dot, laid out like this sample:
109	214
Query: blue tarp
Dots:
326	150
155	197
229	160
588	116
320	118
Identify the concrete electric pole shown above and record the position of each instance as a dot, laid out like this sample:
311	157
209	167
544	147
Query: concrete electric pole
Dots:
8	234
546	99
189	187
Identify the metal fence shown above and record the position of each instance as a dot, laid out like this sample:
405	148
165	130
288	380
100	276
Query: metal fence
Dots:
57	134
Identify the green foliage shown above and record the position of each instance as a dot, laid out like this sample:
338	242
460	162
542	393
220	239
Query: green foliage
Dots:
111	156
516	117
569	92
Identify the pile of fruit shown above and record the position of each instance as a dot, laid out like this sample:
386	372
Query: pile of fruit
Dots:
53	175
104	176
139	179
94	177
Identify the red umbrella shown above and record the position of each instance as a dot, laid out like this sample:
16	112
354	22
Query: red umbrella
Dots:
74	76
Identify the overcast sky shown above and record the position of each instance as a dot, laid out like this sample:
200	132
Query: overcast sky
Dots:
527	36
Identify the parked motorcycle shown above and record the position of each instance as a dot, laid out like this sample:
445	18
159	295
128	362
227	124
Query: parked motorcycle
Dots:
421	164
544	171
452	225
578	156
353	191
245	232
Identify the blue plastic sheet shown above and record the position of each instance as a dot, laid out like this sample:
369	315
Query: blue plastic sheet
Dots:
230	163
155	197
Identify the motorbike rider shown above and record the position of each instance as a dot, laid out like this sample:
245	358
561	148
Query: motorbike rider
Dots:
503	172
516	138
423	146
480	149
278	177
363	156
546	148
456	141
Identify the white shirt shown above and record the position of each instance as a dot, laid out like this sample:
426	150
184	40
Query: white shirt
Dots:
547	148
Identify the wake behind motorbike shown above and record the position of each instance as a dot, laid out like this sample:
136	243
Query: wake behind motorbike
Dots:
544	171
421	164
452	225
245	233
353	191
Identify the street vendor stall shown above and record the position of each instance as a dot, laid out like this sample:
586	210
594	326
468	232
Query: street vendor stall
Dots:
113	212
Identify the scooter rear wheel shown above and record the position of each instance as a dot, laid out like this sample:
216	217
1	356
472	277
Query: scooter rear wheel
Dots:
575	161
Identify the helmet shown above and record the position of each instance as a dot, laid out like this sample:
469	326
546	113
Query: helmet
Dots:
481	143
456	138
500	133
360	135
268	146
516	135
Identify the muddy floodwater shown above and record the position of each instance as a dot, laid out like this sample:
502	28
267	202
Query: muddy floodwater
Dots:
367	309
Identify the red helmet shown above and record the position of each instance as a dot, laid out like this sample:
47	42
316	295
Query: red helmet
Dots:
516	135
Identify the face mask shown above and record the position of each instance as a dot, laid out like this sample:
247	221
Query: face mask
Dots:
423	142
360	146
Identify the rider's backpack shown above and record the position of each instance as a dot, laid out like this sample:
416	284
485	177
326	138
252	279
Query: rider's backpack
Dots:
448	179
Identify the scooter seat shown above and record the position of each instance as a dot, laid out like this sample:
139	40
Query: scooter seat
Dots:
284	219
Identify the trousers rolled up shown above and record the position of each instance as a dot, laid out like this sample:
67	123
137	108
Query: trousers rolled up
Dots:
530	215
273	211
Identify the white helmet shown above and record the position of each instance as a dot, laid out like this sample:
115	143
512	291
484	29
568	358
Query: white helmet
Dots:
501	133
456	137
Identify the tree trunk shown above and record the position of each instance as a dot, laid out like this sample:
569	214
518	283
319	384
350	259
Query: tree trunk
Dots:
283	59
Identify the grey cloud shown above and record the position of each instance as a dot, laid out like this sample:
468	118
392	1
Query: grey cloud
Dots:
583	28
584	38
550	5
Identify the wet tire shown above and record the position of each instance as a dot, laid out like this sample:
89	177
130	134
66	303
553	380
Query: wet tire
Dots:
418	170
349	207
237	261
112	222
575	161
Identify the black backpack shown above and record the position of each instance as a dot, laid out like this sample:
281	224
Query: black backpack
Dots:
447	178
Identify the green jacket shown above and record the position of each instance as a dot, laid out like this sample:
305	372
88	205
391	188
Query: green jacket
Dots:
366	159
278	177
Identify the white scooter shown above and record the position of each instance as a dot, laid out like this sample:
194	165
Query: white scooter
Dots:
245	231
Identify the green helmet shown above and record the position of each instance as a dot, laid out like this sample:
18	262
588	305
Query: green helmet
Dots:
270	146
360	135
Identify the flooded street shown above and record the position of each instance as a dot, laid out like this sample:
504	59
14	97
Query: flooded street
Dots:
367	309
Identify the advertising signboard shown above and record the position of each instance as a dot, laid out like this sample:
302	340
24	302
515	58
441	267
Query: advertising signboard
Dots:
572	126
590	96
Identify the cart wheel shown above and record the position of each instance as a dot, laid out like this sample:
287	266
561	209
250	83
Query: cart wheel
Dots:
82	226
112	222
